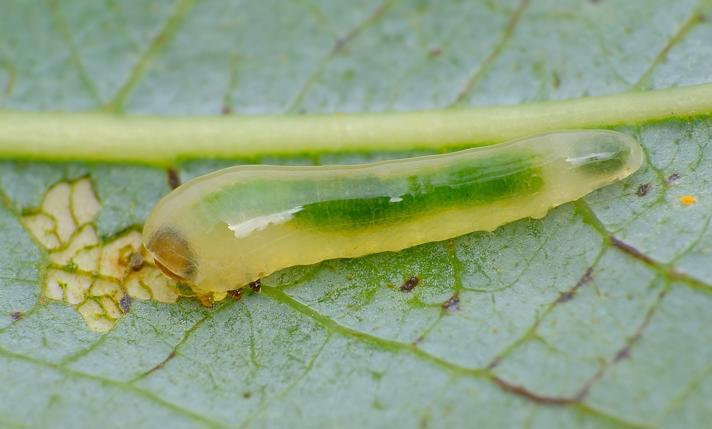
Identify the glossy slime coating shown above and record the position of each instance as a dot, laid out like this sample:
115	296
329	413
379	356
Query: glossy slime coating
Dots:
226	229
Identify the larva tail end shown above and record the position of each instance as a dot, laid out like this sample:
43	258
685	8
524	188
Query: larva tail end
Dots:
606	153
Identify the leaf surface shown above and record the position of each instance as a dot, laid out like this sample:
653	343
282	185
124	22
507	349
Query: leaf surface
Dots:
595	316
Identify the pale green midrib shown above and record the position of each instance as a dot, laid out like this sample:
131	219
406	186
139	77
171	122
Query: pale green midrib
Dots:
166	140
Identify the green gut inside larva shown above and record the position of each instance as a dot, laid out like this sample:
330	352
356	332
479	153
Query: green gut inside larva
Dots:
471	182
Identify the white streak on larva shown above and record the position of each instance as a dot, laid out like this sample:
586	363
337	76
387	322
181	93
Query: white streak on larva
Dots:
395	200
581	160
244	229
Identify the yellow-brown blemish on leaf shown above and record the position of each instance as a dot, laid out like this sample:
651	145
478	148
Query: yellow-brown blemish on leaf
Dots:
111	308
85	205
92	275
152	282
87	259
136	289
115	255
43	227
85	238
56	205
95	316
104	287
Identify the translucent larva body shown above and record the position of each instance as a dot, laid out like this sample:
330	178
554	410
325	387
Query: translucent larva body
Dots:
226	229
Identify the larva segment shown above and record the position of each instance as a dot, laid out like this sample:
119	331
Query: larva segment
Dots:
229	228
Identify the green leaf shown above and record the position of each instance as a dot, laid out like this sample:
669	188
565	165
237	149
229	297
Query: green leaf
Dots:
596	316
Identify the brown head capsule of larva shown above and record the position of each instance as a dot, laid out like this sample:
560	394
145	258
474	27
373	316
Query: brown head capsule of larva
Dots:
172	254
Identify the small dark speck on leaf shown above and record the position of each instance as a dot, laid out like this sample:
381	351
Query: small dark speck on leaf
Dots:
235	294
496	361
594	1
453	303
341	46
247	395
674	177
16	315
556	79
173	178
587	277
622	354
256	286
410	284
435	53
125	303
136	261
566	296
643	190
226	110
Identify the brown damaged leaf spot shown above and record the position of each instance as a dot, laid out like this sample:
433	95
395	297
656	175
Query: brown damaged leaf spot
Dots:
565	297
410	284
125	303
674	177
624	353
453	303
643	190
99	278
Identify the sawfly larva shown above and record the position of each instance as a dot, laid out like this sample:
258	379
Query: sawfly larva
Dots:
231	227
